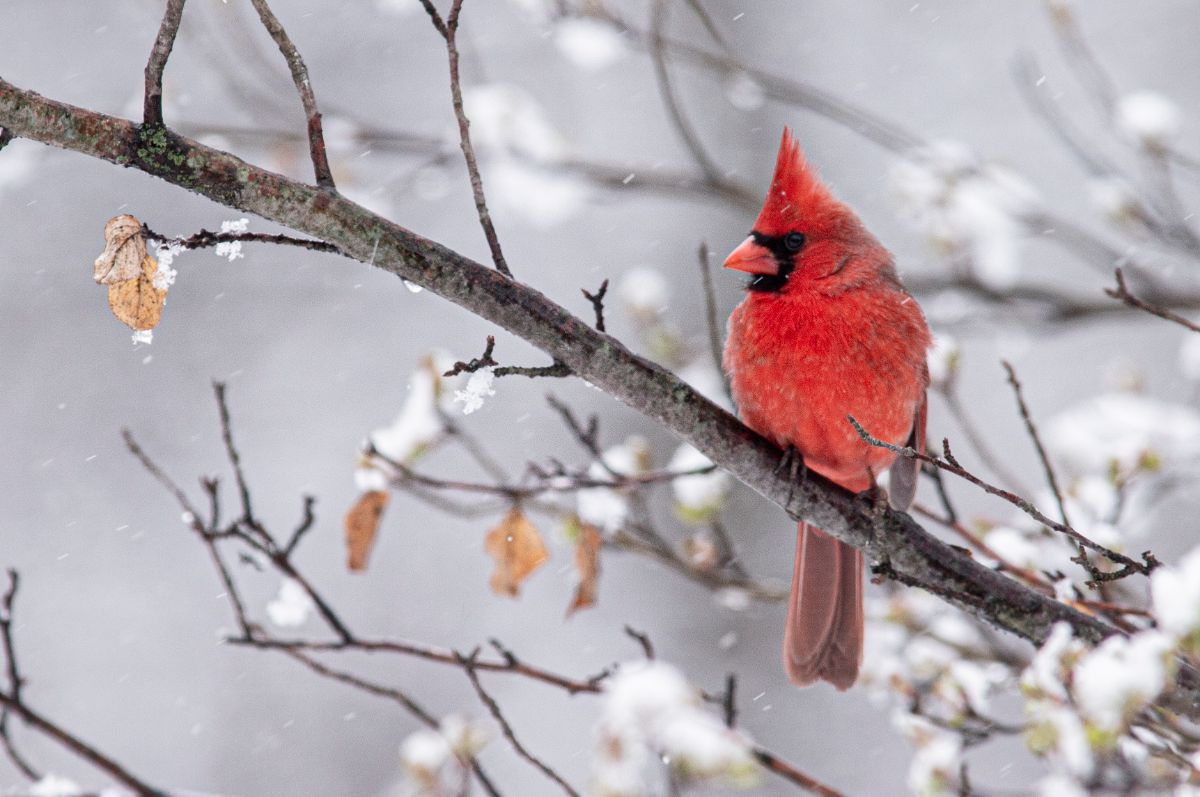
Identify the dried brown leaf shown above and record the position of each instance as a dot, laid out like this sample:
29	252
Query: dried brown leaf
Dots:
124	251
362	525
517	549
587	563
137	303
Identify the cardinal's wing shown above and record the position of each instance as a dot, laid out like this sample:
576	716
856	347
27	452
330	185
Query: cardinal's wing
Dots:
902	478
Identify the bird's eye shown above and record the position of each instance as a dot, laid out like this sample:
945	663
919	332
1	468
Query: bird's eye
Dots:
793	241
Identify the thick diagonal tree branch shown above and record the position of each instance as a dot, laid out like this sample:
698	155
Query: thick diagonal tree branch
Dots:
899	547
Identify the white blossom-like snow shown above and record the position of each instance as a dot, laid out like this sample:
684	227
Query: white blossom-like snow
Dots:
145	336
1060	785
1189	356
18	164
418	424
1048	669
479	386
507	119
291	606
432	759
701	495
1125	430
965	207
230	250
744	92
933	771
650	706
943	358
425	755
1148	119
588	43
1120	676
166	253
644	291
603	507
1113	197
369	478
1175	592
52	785
541	198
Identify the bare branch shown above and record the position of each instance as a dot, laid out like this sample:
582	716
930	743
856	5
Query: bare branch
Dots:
711	318
449	31
468	665
396	696
152	112
316	137
13	702
1121	293
950	465
683	127
1031	428
234	458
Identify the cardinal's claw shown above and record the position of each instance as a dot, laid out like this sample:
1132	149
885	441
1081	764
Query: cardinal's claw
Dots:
792	463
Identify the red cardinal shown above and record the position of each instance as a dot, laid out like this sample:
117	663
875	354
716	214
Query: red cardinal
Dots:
826	331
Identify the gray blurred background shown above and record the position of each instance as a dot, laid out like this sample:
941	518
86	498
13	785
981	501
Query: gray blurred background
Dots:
120	616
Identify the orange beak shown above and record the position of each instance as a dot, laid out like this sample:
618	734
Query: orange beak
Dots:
753	258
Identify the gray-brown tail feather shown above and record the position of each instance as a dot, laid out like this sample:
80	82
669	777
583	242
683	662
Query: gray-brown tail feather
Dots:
824	635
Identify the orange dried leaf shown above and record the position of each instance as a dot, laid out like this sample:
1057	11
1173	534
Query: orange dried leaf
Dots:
124	251
137	303
587	563
517	549
362	525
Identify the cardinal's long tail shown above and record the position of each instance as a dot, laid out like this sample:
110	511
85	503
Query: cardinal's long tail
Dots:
824	636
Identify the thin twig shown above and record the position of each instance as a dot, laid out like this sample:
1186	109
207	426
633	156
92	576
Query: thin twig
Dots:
988	457
597	300
394	695
788	772
711	317
1031	428
1121	293
449	31
12	701
205	239
468	665
316	137
234	458
683	127
15	680
729	700
307	520
152	112
485	360
950	465
643	640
